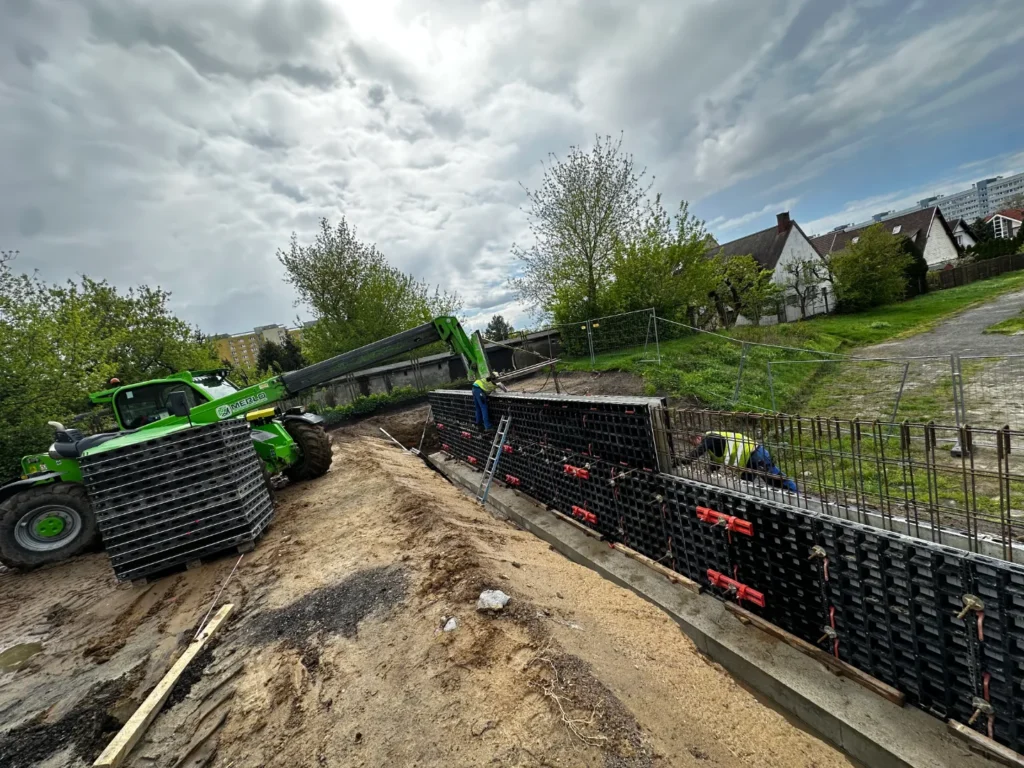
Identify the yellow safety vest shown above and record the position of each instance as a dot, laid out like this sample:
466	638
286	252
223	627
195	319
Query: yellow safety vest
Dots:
485	385
738	448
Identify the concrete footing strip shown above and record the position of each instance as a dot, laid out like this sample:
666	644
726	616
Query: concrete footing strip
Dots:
872	730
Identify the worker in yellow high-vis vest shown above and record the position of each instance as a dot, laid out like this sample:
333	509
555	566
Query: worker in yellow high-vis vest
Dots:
482	387
734	449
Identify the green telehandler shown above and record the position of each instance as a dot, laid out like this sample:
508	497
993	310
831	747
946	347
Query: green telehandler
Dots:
46	516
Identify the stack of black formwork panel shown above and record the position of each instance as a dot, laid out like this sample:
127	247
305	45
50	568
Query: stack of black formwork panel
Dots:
177	498
944	626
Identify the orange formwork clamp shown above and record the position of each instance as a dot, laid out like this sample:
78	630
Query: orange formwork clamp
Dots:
581	472
584	515
730	523
742	591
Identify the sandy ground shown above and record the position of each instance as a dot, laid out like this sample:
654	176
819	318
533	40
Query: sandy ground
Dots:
335	655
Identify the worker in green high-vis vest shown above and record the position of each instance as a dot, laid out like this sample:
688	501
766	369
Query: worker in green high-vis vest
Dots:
482	387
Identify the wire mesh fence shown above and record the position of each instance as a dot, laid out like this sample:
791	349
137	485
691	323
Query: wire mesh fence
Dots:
729	373
991	389
899	476
626	335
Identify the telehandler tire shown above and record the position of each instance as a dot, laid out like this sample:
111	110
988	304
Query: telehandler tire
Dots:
46	524
316	450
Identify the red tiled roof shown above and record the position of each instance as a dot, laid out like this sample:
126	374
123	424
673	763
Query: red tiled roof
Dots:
1008	213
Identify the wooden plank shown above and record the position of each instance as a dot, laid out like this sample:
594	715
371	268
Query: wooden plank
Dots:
836	665
668	573
581	526
117	750
986	746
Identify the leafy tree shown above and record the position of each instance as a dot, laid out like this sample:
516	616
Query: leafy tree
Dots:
982	232
803	280
871	271
356	297
58	342
751	288
585	204
280	357
498	328
665	266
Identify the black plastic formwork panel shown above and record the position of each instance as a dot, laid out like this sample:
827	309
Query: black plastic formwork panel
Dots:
1001	652
610	429
163	502
888	604
776	559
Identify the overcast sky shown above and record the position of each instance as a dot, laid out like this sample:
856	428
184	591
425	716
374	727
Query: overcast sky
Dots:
181	142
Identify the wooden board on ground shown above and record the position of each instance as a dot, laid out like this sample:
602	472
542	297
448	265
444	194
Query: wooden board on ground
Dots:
836	665
985	746
668	573
118	749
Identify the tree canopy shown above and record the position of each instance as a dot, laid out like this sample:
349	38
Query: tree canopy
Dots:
60	341
872	270
280	357
666	266
586	204
355	295
498	329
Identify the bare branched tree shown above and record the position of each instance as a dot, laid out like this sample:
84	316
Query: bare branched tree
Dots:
801	278
585	204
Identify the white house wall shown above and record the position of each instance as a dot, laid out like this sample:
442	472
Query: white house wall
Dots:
940	248
798	249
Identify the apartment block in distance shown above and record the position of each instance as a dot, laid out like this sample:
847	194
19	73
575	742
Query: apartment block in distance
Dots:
985	198
244	348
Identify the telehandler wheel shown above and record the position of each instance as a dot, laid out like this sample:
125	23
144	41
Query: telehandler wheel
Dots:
46	524
316	450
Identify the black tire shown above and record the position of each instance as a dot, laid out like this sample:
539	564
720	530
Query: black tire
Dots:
23	546
316	450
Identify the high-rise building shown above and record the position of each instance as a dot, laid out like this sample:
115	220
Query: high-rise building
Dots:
244	348
983	199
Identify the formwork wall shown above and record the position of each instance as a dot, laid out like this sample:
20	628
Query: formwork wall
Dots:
886	603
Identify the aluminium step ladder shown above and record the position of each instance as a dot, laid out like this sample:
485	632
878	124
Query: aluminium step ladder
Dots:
493	457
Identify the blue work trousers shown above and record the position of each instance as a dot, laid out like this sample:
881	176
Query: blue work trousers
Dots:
481	414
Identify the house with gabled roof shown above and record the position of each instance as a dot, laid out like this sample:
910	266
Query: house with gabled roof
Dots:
926	229
783	248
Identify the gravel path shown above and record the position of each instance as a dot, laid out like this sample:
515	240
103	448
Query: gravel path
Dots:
962	334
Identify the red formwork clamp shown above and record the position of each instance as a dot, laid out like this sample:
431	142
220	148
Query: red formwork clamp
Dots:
511	480
471	459
584	515
742	591
446	448
507	448
731	524
581	472
440	426
467	435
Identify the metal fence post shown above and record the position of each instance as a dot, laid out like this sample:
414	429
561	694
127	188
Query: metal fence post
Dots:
739	375
590	343
657	346
771	385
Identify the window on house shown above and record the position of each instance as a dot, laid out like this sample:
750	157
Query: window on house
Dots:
896	229
856	239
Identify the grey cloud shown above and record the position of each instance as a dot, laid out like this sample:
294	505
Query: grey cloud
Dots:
287	190
376	94
29	53
149	142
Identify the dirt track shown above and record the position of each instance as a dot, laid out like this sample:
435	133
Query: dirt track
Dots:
335	655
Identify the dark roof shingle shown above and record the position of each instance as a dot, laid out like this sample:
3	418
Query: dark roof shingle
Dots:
913	225
765	246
